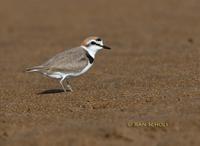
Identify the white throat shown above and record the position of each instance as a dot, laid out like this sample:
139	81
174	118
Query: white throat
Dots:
91	51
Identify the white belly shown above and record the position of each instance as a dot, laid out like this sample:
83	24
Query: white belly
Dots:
60	75
56	75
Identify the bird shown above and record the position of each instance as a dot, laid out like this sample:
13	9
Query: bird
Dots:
71	62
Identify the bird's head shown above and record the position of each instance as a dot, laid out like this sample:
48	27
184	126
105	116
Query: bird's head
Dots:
94	44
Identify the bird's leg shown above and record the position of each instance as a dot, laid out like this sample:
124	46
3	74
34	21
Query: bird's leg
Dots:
61	82
63	85
69	86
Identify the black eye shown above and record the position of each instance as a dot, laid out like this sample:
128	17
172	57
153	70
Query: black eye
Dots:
98	39
93	43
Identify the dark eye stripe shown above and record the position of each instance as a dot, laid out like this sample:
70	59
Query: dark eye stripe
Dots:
93	43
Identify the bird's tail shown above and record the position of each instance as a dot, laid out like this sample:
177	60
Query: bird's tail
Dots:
34	69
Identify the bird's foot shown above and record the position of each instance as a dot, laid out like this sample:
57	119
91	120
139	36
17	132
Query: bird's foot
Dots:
69	88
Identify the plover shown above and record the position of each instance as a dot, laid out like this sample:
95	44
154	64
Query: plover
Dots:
71	62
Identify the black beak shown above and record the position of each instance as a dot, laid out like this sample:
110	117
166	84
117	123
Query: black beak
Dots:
103	46
106	47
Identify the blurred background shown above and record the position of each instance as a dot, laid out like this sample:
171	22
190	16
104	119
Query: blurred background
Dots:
151	73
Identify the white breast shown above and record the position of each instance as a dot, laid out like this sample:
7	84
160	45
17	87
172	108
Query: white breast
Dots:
84	70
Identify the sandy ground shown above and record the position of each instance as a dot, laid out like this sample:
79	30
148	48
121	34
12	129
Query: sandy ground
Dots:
150	75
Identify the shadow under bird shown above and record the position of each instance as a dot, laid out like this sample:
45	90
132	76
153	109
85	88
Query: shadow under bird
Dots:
71	63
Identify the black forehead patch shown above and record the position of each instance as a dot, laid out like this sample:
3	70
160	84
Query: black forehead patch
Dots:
98	39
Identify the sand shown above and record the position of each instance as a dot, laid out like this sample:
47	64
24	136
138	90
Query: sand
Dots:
149	80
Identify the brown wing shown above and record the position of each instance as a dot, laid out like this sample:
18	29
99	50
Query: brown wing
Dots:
73	60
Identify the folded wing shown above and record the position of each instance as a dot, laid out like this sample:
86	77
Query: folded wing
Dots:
69	61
